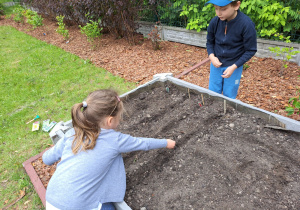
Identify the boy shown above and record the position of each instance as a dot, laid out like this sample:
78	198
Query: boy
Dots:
231	42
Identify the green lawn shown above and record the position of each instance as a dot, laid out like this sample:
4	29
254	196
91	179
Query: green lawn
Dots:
37	79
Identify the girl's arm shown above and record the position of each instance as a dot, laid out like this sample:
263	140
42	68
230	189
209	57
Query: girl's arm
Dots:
54	154
128	143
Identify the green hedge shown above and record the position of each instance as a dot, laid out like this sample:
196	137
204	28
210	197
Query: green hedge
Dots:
283	16
120	15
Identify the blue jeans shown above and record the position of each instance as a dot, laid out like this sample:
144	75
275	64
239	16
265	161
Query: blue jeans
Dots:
228	86
108	206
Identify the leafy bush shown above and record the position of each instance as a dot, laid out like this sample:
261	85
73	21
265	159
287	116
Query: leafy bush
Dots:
266	14
61	27
294	107
1	9
33	18
198	19
117	16
35	21
92	31
284	53
19	14
169	13
283	16
51	8
28	13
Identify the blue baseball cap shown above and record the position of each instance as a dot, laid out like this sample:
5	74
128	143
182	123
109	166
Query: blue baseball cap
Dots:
220	3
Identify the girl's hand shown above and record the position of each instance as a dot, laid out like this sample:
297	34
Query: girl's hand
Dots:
228	72
170	144
215	61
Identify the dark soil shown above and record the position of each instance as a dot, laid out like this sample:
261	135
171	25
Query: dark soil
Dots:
221	161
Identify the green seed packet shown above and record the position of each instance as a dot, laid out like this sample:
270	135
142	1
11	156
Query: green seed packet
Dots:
47	125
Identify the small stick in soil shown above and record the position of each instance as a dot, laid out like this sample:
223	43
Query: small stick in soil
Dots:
224	106
189	93
202	99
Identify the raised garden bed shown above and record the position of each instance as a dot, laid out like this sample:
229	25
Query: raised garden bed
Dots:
223	158
35	176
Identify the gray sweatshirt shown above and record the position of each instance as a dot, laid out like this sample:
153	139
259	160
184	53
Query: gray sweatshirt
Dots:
83	180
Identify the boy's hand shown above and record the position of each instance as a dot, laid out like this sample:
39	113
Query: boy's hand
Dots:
228	72
215	61
170	144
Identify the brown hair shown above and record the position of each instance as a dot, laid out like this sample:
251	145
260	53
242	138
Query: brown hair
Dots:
234	3
86	120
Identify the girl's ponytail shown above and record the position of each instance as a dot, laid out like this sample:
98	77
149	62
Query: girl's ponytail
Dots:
88	115
86	132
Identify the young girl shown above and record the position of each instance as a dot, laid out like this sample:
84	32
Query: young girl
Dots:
91	173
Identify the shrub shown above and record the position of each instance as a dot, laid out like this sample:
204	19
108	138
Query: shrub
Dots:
1	9
33	18
283	16
92	31
198	16
284	53
117	16
61	27
19	14
294	107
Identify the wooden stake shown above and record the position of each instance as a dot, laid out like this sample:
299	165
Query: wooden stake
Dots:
224	106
